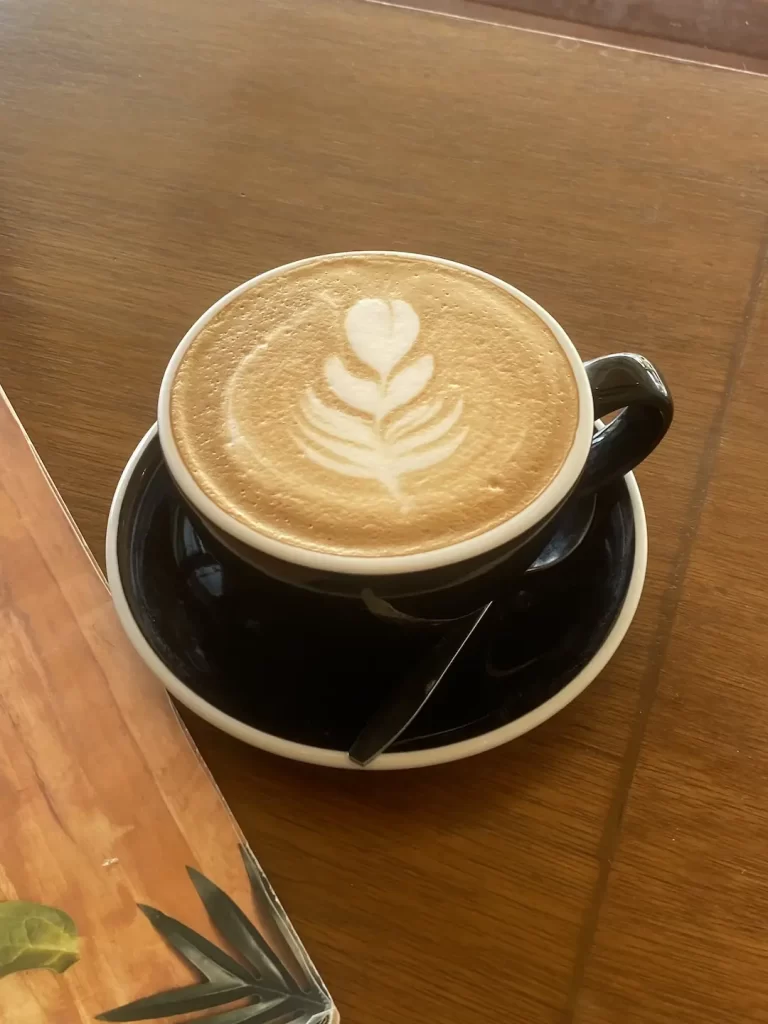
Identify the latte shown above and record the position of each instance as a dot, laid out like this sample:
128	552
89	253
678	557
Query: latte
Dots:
374	405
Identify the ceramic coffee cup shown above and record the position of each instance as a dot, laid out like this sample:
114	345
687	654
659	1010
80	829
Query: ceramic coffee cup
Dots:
456	577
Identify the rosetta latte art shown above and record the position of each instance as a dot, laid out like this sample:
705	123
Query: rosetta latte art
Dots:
390	433
373	405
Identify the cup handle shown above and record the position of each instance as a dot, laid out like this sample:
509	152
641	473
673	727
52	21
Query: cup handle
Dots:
633	384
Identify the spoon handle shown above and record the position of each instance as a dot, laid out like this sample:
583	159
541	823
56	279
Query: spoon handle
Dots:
405	701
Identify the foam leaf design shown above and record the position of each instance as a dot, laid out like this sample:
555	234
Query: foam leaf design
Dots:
430	456
355	391
438	430
349	468
406	385
413	418
339	424
365	458
381	332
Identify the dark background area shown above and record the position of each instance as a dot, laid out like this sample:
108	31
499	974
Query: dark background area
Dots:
731	26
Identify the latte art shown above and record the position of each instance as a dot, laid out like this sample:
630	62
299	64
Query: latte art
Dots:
381	334
373	404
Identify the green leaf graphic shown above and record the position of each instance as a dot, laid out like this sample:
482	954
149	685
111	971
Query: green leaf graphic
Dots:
35	936
259	976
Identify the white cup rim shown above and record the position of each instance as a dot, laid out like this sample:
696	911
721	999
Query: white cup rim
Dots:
516	526
337	758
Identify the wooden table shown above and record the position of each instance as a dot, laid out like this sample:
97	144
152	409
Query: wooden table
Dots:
609	867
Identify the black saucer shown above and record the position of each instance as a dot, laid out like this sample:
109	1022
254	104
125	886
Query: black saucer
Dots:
245	657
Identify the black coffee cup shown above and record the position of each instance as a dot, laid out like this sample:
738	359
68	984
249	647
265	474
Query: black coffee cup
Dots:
454	579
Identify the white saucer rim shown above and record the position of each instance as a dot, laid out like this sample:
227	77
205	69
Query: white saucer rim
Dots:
386	762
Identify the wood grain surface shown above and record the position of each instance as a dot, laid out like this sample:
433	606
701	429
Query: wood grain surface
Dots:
103	799
683	934
159	154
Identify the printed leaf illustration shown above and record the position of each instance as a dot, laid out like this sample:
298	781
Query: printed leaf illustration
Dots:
240	933
271	992
381	333
36	936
